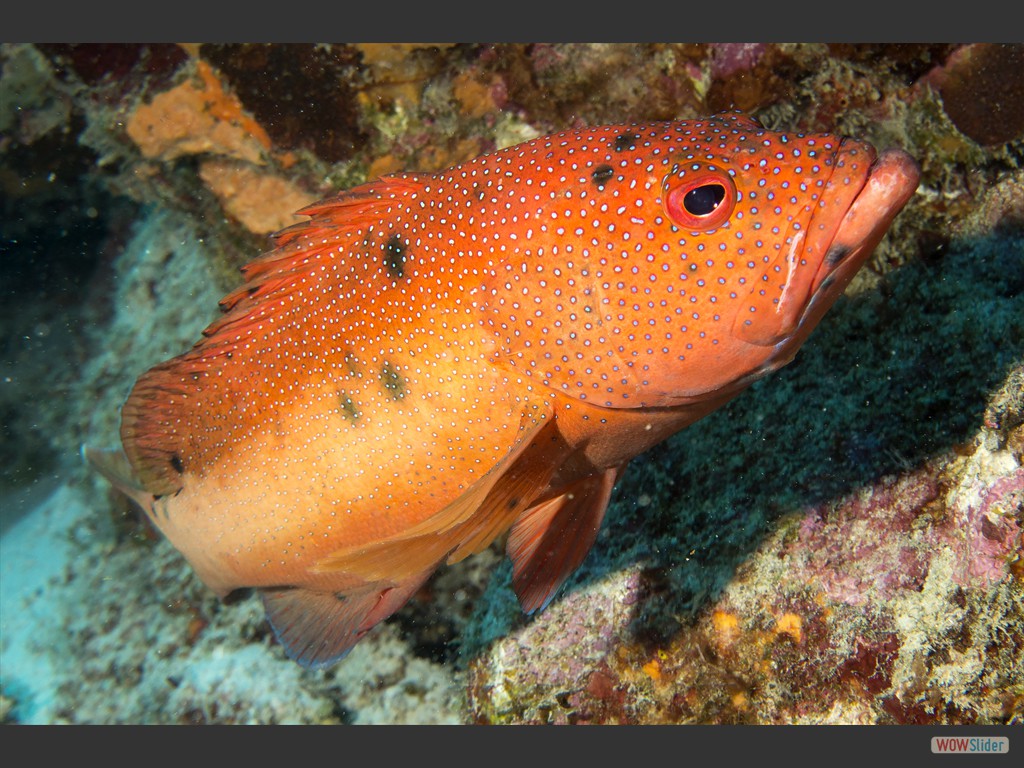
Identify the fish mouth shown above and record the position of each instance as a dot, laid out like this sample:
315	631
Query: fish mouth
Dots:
889	183
864	192
852	220
858	210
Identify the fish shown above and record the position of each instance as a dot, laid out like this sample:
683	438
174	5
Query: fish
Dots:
434	361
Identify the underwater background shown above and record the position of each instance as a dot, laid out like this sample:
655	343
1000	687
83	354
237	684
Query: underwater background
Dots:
840	544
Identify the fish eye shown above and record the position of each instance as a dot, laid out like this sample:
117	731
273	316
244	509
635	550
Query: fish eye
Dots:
702	201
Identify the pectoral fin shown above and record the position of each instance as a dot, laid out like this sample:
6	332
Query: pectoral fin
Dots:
551	540
471	522
318	629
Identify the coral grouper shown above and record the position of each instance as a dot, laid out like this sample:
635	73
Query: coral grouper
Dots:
432	361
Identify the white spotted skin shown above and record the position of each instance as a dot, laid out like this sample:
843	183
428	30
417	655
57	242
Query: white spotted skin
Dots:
345	401
601	296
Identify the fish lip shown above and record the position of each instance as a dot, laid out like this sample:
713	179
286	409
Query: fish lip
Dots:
888	185
812	254
841	194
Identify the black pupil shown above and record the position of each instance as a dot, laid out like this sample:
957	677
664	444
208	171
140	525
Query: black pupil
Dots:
700	201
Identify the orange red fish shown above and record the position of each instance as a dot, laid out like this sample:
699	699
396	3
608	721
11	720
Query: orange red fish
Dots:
435	360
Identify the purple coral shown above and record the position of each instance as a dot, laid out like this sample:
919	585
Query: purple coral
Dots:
729	58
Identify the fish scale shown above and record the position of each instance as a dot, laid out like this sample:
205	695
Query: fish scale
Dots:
433	360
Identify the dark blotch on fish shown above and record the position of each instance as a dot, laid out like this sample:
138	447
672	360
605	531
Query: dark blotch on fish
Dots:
392	381
602	174
348	407
394	257
836	254
625	141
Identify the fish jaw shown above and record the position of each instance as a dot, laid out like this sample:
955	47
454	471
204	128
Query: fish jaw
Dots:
823	251
842	235
889	185
776	314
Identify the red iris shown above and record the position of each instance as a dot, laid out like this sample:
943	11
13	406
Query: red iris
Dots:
701	202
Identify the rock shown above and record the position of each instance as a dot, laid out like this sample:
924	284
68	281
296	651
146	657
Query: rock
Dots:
982	88
262	201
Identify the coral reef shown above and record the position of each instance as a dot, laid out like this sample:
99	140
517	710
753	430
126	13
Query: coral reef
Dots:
196	118
850	527
310	102
261	202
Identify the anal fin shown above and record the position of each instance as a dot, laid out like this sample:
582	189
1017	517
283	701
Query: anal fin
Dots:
551	540
318	629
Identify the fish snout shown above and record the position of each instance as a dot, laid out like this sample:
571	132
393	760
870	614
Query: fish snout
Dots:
889	183
887	186
839	169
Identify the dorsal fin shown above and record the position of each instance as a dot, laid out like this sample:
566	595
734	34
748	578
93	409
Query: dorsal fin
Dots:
338	225
296	248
